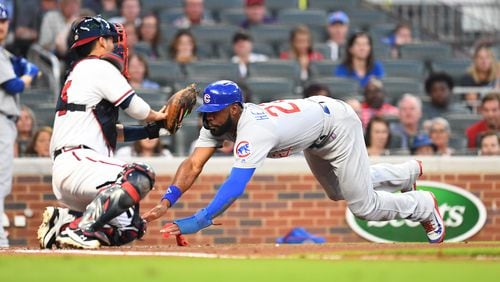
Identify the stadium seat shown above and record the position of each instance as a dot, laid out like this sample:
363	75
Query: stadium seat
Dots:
164	72
152	97
427	51
324	49
455	67
232	16
213	69
270	89
334	5
33	97
216	6
168	32
293	17
155	5
214	34
340	87
403	68
275	68
323	68
169	15
185	136
395	87
274	6
460	122
364	19
45	114
200	81
226	50
272	34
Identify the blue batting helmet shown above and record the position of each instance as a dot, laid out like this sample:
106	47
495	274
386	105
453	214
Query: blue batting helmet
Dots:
91	28
220	94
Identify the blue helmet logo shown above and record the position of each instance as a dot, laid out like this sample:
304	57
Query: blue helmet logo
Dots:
220	94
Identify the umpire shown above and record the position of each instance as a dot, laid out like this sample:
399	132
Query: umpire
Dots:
15	75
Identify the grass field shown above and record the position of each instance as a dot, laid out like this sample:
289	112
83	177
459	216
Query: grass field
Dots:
457	264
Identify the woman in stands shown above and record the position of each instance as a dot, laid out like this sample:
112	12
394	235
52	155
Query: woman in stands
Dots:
302	50
150	32
25	129
377	137
144	148
183	49
138	70
482	73
440	133
39	145
359	62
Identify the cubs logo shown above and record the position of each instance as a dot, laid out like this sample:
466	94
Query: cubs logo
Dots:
243	149
206	98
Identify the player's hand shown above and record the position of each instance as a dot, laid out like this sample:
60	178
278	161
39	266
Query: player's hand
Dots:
170	229
156	212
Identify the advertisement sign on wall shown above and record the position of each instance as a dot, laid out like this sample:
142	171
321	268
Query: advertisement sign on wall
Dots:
463	213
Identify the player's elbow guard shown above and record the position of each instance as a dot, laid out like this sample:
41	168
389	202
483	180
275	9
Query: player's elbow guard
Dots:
194	223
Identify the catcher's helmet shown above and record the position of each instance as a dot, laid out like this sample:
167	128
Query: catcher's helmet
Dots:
91	28
4	14
220	94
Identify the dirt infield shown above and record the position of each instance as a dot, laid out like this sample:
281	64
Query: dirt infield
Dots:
483	250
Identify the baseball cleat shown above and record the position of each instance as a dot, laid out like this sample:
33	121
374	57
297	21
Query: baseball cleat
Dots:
53	219
76	239
413	186
434	226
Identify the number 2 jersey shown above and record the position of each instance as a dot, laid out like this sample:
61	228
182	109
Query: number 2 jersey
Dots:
274	130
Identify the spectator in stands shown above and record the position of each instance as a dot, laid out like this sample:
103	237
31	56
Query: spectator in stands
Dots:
374	102
423	146
106	8
144	148
25	124
440	133
401	35
490	110
410	113
377	137
439	87
150	33
138	70
194	14
243	55
316	89
183	48
39	145
355	105
490	144
481	73
130	12
132	36
27	21
338	27
255	13
57	21
359	62
302	50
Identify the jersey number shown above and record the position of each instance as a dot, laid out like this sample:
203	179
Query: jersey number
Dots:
64	97
281	106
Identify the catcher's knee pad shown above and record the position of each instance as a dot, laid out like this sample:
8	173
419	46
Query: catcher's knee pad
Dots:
120	234
132	185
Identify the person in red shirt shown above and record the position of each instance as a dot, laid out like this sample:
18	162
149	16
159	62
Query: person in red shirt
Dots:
374	102
490	110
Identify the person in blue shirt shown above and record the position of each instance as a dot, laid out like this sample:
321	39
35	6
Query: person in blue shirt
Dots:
359	62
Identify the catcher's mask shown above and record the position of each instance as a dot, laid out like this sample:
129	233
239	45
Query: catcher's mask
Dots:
220	94
90	28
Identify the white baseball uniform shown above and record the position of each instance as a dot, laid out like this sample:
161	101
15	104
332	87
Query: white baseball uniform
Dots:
86	161
330	134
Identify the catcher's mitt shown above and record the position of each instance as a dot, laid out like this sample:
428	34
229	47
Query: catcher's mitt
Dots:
179	106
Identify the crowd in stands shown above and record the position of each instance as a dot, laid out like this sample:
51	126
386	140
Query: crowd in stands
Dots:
429	119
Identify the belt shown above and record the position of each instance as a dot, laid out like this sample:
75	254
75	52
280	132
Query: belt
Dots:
12	118
69	148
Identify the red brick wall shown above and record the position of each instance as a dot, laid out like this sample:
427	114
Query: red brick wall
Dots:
271	205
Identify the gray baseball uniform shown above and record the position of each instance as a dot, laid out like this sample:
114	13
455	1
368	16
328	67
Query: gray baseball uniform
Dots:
9	110
330	134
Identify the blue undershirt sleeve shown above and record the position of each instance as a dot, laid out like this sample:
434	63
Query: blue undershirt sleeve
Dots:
13	86
230	190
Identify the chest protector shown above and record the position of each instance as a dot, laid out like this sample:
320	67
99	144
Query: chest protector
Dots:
107	117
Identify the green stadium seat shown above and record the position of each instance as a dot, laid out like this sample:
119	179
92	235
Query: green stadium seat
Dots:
460	122
340	87
323	68
274	6
270	89
293	17
395	87
334	5
275	68
427	51
216	6
232	16
364	19
455	67
404	68
213	69
169	15
165	72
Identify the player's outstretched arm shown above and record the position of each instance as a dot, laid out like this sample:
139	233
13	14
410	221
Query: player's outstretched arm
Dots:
185	176
230	190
